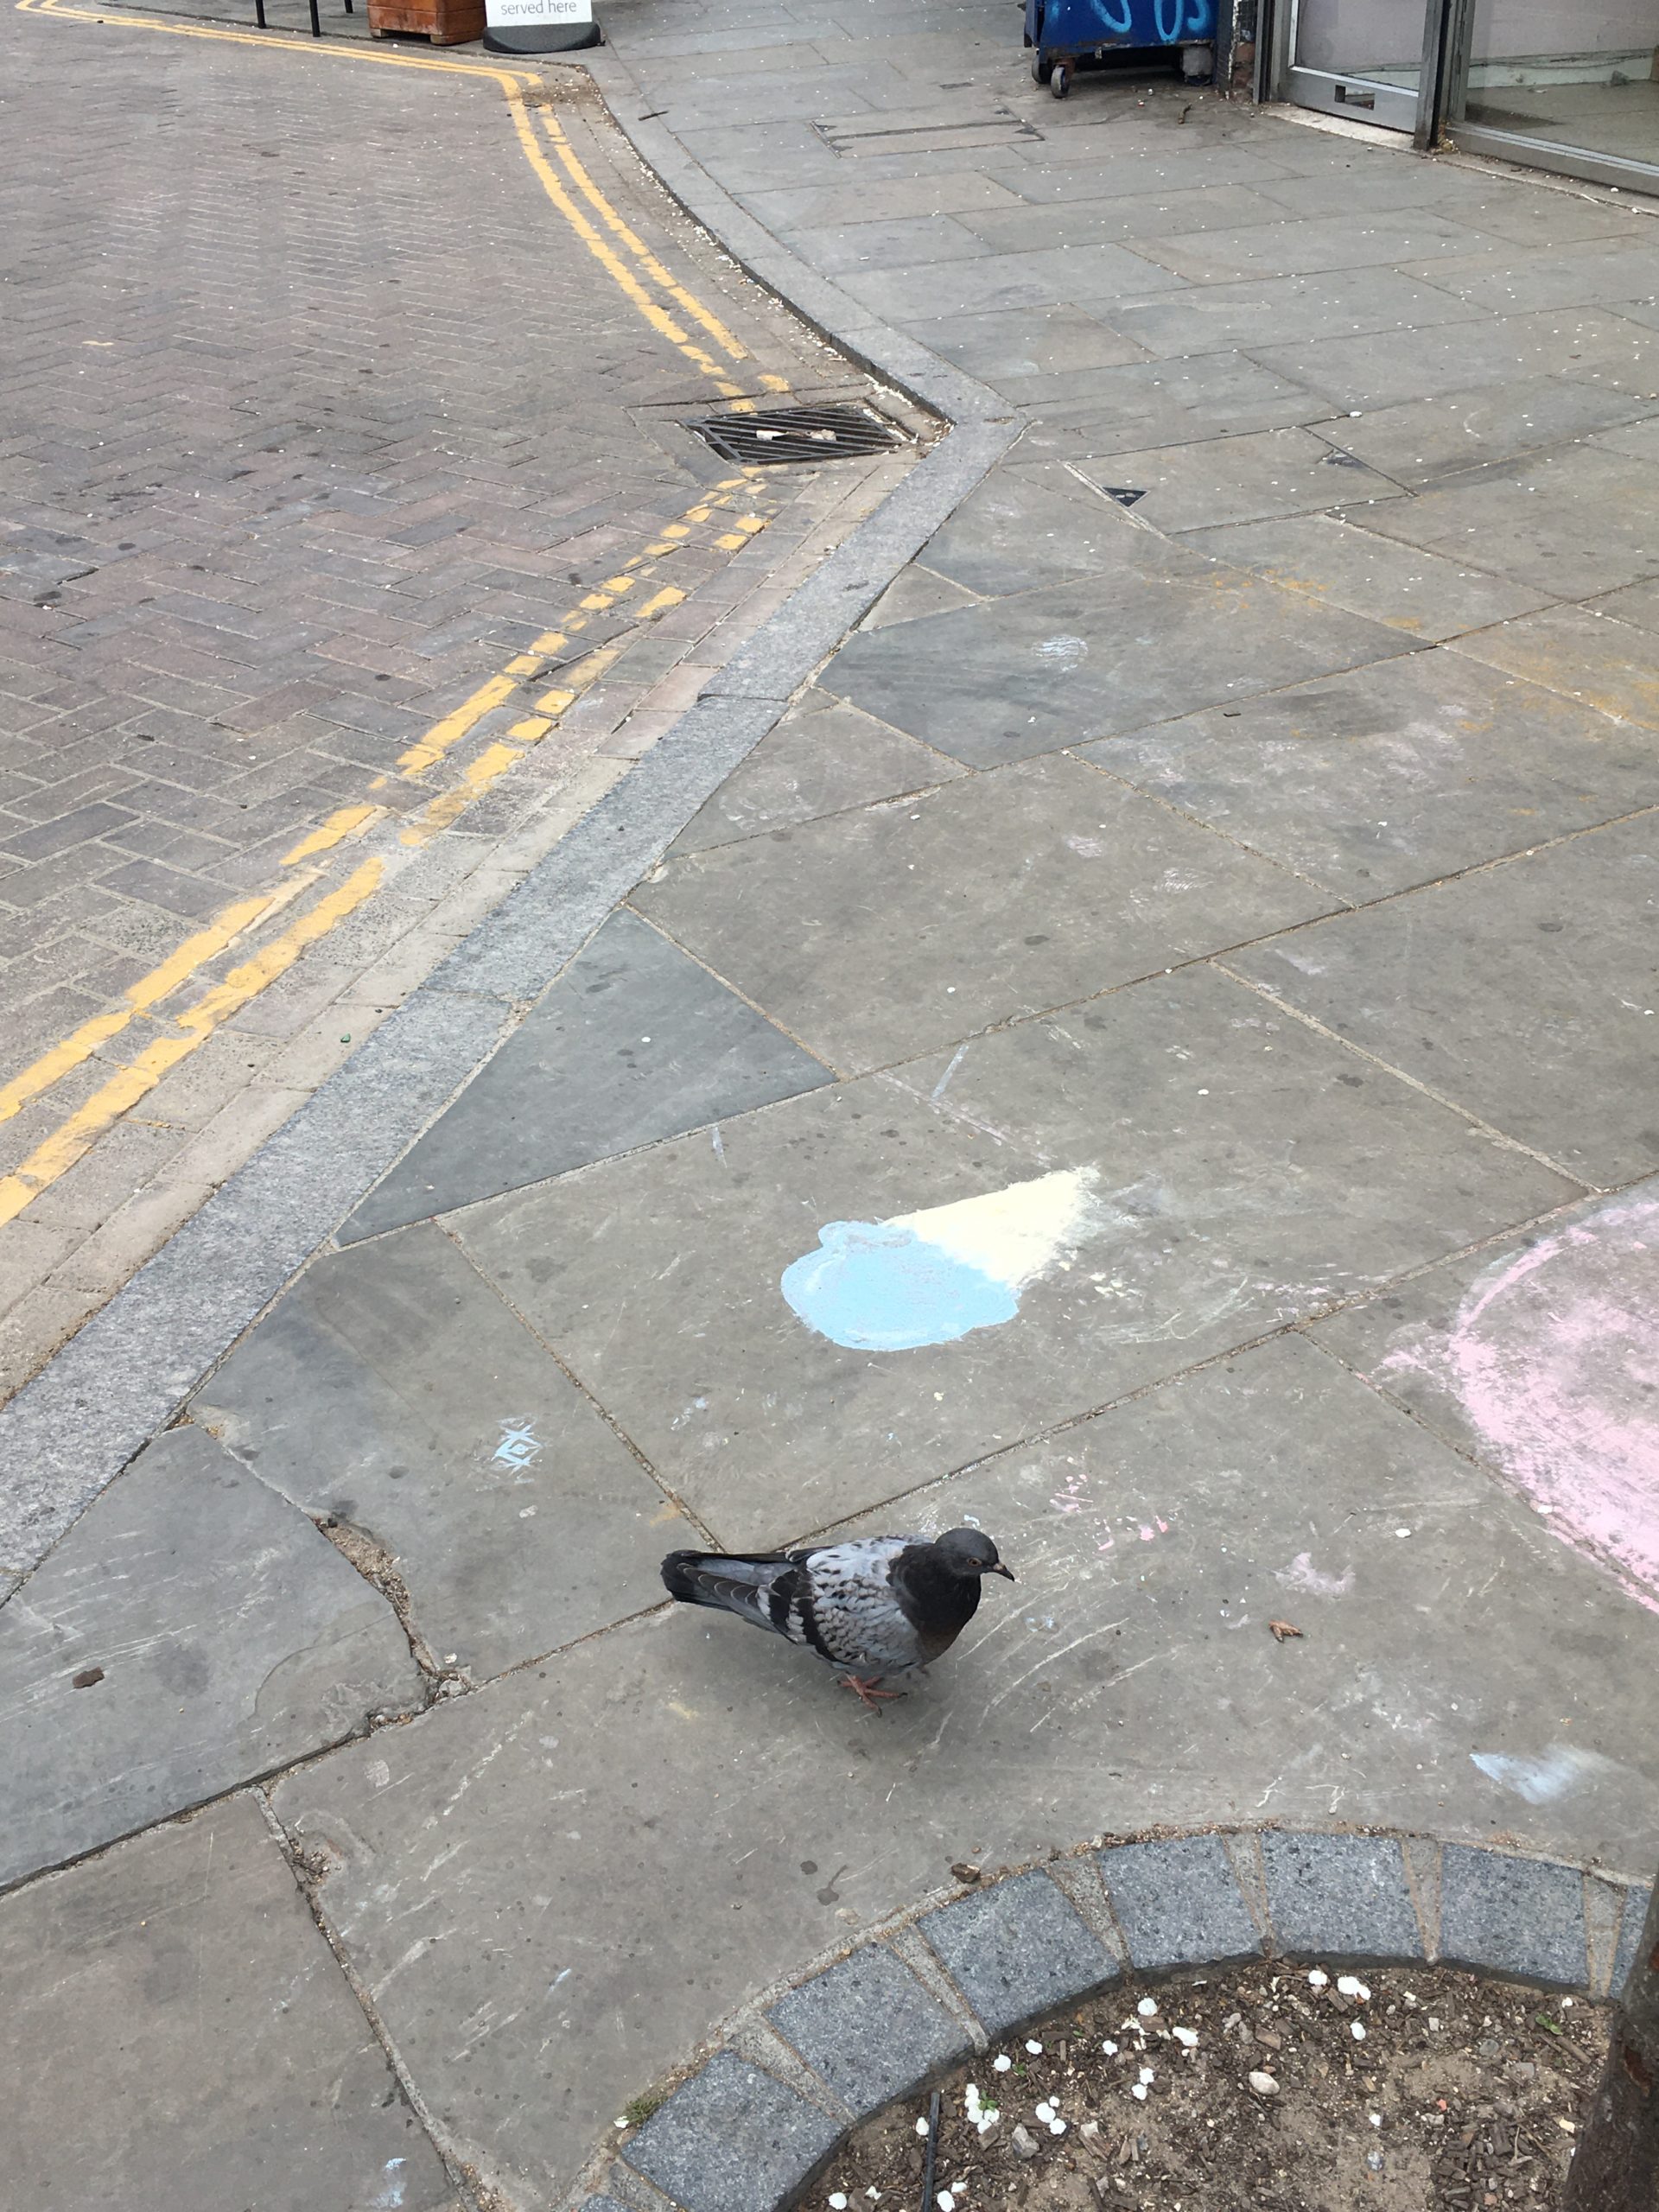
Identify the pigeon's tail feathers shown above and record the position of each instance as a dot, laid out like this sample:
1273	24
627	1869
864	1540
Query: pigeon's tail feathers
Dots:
760	1590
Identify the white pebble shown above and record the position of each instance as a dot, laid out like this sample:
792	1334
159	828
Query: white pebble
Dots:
1138	2089
1350	1986
1045	2112
1187	2037
1056	2127
1002	2062
921	2128
1433	2023
1357	2029
1375	2119
1034	2048
1146	2074
1264	2085
945	2202
1147	2007
838	2201
1110	2048
1318	1979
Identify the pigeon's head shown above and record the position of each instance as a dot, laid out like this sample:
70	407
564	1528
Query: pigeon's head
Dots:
969	1553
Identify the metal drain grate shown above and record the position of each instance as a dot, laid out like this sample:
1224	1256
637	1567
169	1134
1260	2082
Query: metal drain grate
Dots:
796	433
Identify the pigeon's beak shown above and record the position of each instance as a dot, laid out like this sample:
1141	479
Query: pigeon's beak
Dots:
1006	1573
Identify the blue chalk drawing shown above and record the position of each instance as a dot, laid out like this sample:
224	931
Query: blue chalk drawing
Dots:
931	1277
876	1287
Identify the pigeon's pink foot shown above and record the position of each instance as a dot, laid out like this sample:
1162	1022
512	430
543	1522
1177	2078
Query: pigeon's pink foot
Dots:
865	1687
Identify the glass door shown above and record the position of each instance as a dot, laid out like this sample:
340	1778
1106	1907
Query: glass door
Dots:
1568	85
1360	58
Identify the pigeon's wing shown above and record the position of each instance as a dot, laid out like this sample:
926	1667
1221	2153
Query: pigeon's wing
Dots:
763	1589
849	1611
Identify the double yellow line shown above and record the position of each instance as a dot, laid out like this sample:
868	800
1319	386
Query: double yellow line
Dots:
635	271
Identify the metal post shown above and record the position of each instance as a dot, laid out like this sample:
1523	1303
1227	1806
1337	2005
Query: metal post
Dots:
1446	45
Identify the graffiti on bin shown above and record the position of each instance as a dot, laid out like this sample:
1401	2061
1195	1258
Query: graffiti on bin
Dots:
1157	22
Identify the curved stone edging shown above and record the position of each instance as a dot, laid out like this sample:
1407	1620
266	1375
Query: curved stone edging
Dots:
797	2071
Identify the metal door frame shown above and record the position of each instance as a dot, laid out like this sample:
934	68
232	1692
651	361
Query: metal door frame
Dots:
1427	112
1357	99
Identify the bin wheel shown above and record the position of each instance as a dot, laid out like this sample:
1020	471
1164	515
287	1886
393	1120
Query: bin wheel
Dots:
1041	68
1059	82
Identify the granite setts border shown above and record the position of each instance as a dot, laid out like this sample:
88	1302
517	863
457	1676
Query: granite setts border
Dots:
796	2071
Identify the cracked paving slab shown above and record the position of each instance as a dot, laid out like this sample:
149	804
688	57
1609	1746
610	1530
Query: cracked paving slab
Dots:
192	1632
177	2037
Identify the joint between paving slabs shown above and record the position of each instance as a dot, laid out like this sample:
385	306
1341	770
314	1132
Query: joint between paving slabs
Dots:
308	1865
670	1495
1427	1090
841	1075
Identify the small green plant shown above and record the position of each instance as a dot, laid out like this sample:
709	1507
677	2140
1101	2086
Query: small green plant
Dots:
637	2110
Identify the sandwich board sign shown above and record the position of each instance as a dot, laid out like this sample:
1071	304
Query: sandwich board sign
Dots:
538	26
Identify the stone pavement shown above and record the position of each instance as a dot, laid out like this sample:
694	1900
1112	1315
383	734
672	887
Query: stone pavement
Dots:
1291	1086
287	492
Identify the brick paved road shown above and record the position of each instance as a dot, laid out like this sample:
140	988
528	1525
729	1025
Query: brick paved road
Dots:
318	411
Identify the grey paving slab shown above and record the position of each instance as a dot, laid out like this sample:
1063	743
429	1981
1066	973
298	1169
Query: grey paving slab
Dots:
1520	991
1389	366
1421	441
1531	1357
1424	594
1024	527
1396	774
1573	522
870	2029
732	2139
633	1042
1126	1672
795	207
841	249
1247	1173
192	1632
1019	1950
183	1975
1589	272
880	934
1139	173
1026	341
823	758
1009	225
1339	1897
1636	603
1165	402
1164	634
1178	1902
1581	653
1512	1917
1248	478
927	291
1285	311
1351	239
917	591
394	1392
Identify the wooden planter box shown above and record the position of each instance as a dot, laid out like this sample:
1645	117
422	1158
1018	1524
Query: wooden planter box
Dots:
446	23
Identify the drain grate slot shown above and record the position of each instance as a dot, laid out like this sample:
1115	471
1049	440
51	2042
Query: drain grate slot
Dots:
785	434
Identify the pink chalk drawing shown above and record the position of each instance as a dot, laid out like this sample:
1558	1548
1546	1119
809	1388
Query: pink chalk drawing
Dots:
1555	1358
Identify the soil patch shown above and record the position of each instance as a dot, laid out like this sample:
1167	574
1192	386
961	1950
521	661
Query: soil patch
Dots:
1272	2088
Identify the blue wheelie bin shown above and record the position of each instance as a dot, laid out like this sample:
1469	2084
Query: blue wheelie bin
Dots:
1062	31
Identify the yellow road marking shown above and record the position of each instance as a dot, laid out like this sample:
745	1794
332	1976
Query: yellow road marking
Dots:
347	822
732	347
76	1136
148	991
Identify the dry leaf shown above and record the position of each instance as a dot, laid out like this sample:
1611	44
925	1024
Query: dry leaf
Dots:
1283	1629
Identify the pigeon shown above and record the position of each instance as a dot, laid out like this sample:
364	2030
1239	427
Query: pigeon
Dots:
875	1607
